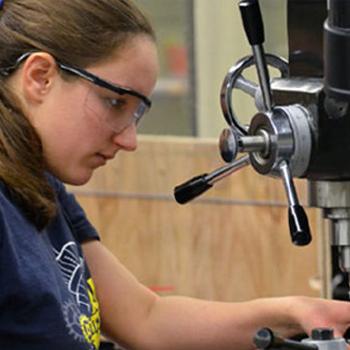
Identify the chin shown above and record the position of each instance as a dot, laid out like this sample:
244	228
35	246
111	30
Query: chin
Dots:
77	182
75	179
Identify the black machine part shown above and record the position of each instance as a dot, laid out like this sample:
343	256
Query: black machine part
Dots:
321	339
337	50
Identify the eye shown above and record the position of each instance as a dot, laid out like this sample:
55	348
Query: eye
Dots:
116	103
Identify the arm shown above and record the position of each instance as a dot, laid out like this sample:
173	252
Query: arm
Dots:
139	319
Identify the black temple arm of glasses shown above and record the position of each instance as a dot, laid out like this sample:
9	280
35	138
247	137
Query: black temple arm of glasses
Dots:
102	83
8	70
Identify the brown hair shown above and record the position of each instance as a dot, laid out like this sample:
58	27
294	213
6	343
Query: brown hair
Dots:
79	32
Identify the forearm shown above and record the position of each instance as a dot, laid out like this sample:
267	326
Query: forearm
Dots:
184	323
141	320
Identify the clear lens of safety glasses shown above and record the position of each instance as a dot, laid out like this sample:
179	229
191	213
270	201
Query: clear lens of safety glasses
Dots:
117	111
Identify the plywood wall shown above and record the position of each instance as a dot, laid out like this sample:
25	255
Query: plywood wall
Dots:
231	244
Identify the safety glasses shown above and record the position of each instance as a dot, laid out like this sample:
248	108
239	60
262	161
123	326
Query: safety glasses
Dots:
119	110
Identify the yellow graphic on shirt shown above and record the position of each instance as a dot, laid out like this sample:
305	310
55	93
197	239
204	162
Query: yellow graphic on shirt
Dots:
81	312
90	326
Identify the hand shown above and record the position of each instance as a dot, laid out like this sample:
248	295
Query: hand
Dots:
313	313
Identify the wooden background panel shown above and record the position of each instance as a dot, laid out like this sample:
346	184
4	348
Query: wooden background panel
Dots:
219	252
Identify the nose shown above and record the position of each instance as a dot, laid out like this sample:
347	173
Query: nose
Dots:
127	139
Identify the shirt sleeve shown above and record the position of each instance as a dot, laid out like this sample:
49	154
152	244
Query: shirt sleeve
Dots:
82	229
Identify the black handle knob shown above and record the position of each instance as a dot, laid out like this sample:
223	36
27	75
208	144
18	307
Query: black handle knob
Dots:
252	21
299	225
266	339
191	189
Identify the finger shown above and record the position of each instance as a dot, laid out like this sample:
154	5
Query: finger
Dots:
338	334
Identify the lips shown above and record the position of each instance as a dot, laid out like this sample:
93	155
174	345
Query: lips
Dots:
106	156
98	160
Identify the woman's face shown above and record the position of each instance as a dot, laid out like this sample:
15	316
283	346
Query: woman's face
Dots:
74	120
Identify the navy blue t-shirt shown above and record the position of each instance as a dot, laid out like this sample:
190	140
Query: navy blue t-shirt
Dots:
47	297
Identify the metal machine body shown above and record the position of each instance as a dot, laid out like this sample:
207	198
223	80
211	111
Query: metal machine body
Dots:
319	46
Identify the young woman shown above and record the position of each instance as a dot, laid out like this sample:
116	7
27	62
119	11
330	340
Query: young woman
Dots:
76	76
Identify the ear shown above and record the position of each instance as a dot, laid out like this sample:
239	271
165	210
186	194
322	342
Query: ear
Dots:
38	74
